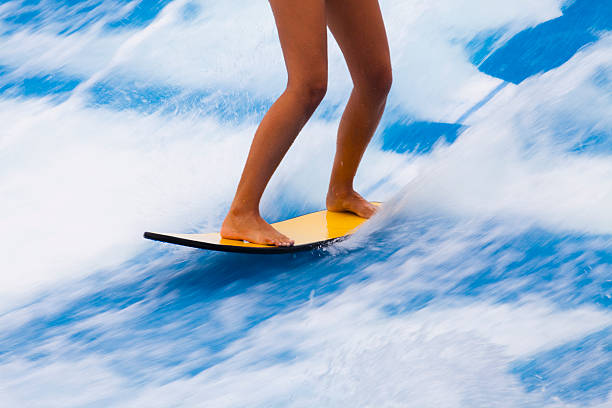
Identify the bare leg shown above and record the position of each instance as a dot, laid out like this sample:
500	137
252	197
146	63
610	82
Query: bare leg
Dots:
358	27
302	30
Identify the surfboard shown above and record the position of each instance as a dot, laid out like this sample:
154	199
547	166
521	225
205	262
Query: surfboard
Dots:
310	231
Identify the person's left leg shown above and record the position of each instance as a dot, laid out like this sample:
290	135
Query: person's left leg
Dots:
358	27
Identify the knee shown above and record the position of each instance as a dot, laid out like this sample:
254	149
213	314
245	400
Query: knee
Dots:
310	91
384	79
378	80
314	91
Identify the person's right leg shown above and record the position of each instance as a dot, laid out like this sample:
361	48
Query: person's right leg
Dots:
302	30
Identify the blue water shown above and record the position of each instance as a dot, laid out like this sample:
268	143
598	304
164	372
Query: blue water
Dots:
485	281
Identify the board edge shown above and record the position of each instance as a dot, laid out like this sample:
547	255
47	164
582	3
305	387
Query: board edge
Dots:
238	249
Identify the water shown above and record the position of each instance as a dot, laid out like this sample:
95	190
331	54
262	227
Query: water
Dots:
486	281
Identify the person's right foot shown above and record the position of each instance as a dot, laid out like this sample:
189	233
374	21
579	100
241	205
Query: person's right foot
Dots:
251	227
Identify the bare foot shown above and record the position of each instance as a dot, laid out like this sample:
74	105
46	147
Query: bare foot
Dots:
251	227
350	201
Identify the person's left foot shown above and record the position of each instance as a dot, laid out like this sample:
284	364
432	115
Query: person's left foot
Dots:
350	201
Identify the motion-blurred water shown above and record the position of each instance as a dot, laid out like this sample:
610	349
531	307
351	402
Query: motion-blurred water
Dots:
485	281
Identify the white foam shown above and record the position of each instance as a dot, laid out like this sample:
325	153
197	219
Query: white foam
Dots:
433	76
18	377
345	353
72	172
82	185
69	172
513	160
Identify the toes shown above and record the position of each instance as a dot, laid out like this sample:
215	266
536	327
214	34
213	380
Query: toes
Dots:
279	242
285	242
371	210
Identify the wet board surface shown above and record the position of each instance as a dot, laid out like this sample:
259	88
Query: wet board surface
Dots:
310	231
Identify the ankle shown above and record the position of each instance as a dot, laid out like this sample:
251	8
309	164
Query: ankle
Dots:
243	212
340	192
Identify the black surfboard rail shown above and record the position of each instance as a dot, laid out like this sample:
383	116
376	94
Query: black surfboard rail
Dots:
238	249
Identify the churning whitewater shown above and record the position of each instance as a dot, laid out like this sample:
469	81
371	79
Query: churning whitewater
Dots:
485	280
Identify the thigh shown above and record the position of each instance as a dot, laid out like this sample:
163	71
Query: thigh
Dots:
302	29
358	27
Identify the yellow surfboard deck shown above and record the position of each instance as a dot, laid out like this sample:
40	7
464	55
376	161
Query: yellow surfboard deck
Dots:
309	231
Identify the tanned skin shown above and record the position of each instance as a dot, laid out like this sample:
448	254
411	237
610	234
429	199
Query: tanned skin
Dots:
357	26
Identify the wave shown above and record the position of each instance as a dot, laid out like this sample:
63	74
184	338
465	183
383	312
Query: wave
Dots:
484	281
